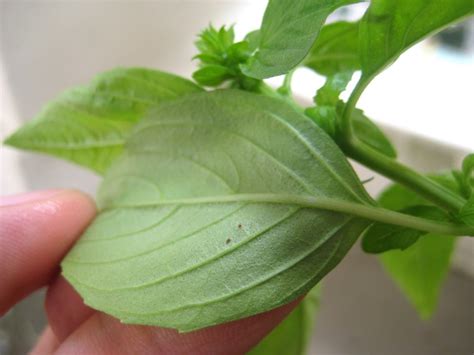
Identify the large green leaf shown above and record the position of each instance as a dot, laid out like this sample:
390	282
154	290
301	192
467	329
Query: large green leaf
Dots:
219	208
88	125
288	31
292	336
336	49
419	270
390	27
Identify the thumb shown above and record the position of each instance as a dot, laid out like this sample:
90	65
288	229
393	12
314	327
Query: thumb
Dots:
36	230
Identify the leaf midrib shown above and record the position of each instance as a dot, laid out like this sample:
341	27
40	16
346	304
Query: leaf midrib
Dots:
363	210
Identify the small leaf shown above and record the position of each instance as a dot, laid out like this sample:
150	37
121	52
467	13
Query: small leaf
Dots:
336	49
419	270
253	39
325	117
369	133
465	177
204	217
468	166
215	42
335	84
467	212
206	59
212	75
89	125
381	237
292	336
389	27
287	34
220	60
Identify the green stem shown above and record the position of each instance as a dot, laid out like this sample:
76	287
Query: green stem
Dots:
285	89
389	167
378	162
396	171
369	212
346	120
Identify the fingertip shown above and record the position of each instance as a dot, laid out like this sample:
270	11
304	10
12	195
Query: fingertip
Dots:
36	231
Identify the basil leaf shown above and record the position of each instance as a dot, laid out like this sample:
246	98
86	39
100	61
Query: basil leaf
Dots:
381	237
468	166
253	39
88	125
327	118
335	84
292	336
466	176
336	49
467	212
419	270
369	133
212	75
203	219
287	34
389	27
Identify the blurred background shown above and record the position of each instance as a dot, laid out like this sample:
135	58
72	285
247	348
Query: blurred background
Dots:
424	102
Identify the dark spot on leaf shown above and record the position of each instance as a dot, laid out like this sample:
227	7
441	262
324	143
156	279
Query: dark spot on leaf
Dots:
240	226
228	240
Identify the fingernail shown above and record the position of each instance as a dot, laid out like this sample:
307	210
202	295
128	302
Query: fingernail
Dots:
19	199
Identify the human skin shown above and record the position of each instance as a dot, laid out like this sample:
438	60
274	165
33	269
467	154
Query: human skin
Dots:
36	231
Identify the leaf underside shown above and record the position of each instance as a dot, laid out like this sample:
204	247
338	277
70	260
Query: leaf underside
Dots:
177	246
89	125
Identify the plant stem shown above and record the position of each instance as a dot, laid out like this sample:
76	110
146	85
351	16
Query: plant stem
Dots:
402	174
285	89
378	162
346	120
389	167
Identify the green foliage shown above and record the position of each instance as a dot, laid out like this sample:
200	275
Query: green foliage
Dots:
467	212
328	94
220	205
287	34
336	49
381	237
328	117
88	125
292	336
419	270
389	27
220	59
212	75
465	177
369	133
187	200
